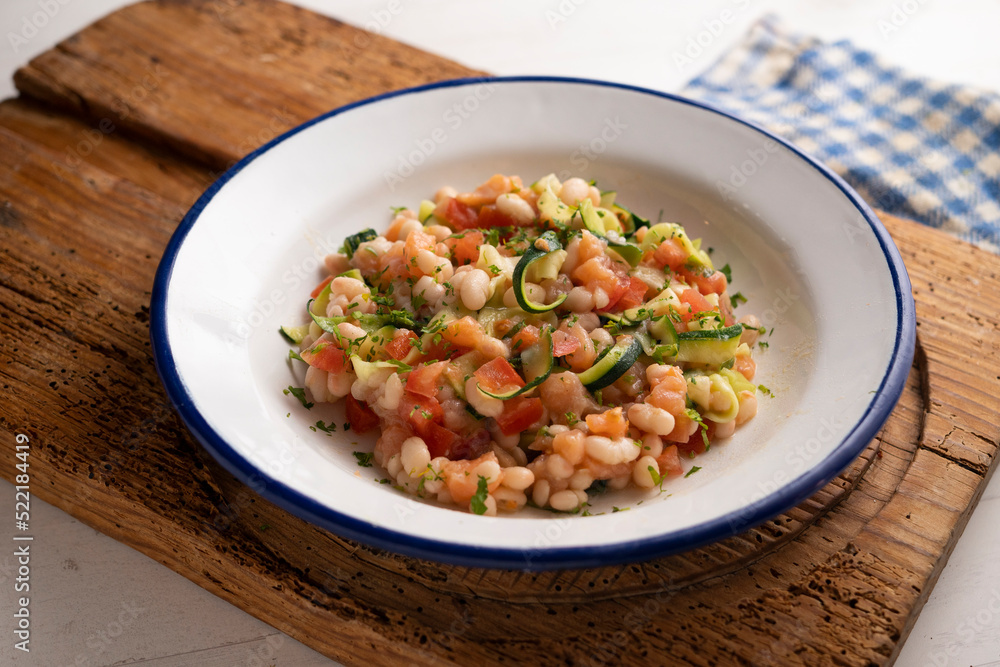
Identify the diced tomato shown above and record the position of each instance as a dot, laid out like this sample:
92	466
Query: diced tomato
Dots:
326	357
670	253
460	216
611	423
501	327
497	375
746	366
670	461
618	289
697	444
713	283
564	343
420	412
633	294
525	338
400	345
439	440
465	250
361	418
490	217
696	304
464	332
319	288
423	380
518	414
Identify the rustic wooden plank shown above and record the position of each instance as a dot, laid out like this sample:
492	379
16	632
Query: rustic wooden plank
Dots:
837	580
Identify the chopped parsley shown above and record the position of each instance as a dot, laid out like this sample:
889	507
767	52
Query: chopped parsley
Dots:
737	299
764	390
364	459
327	428
299	393
571	419
762	344
478	502
727	272
619	509
692	471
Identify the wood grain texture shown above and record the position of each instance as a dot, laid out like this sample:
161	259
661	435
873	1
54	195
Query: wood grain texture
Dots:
86	212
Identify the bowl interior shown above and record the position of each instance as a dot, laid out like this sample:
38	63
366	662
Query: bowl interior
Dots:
807	258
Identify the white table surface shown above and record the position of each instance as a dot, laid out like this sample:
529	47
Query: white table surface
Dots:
97	602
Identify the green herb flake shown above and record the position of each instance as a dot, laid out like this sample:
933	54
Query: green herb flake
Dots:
478	502
299	393
326	428
364	459
692	471
292	354
764	390
571	419
727	272
737	299
619	509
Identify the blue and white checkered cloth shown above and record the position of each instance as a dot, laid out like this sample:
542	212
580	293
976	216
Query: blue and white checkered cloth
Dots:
917	148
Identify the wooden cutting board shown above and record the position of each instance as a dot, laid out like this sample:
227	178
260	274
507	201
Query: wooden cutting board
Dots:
119	129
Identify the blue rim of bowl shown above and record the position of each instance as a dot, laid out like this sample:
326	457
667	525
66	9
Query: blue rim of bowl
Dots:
802	487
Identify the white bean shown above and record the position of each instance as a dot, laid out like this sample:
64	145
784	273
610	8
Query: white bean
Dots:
652	445
414	456
540	492
581	480
724	430
439	232
475	289
516	208
640	472
408	228
565	500
447	192
518	478
430	264
394	465
602	338
558	467
651	419
509	500
750	329
389	400
579	300
316	384
429	290
488	469
748	407
574	190
612	452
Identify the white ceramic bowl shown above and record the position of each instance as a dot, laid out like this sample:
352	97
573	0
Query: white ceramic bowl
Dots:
814	262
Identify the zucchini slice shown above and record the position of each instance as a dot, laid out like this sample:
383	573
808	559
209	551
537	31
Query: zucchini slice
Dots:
537	362
543	245
551	208
631	253
599	223
352	273
352	242
612	365
295	334
713	346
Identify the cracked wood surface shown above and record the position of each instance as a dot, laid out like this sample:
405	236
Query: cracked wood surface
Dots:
837	580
